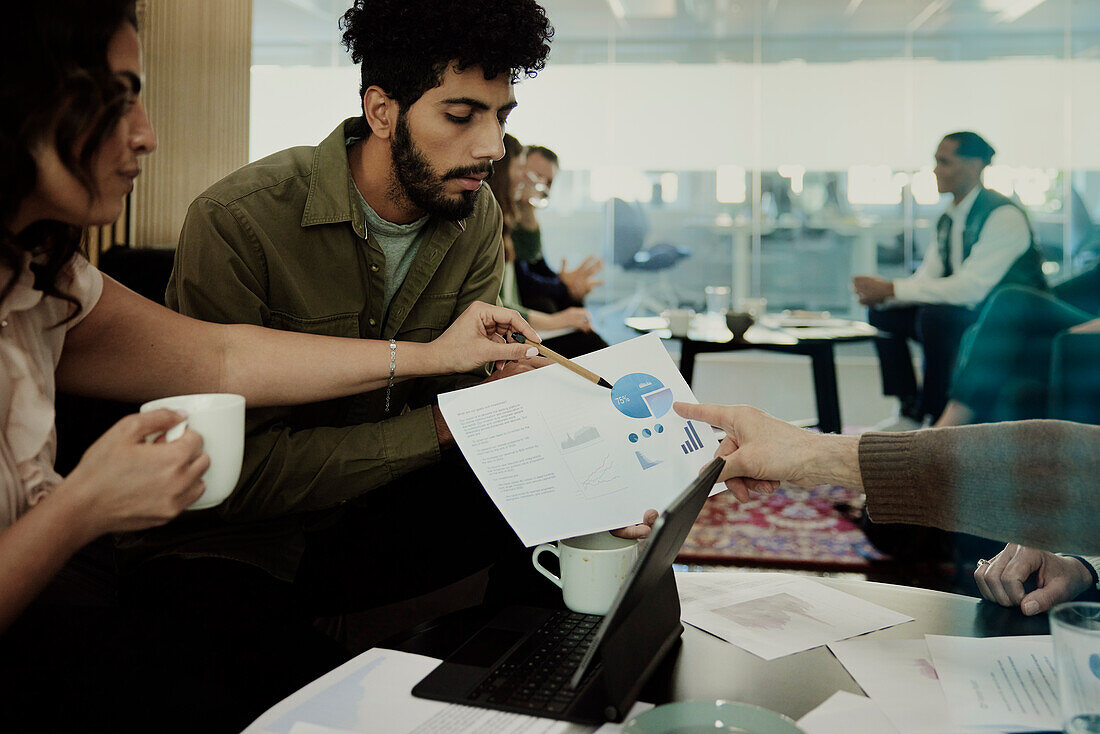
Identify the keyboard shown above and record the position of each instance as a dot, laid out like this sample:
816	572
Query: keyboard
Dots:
536	674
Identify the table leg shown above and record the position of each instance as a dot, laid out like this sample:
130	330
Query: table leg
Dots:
828	403
687	359
742	264
864	261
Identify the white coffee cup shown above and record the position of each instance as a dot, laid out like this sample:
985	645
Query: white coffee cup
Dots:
593	567
219	419
679	320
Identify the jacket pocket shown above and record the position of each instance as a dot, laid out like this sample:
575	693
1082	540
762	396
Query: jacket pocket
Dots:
429	318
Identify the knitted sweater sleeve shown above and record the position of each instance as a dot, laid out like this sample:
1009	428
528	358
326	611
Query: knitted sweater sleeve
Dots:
1031	482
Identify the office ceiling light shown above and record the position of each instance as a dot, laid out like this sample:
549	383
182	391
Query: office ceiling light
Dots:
796	173
1009	11
999	178
670	187
923	186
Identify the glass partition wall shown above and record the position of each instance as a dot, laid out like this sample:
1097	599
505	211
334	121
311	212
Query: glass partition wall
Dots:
776	147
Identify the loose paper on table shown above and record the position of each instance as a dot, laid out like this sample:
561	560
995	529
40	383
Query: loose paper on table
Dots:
774	614
998	681
561	456
900	678
370	693
846	713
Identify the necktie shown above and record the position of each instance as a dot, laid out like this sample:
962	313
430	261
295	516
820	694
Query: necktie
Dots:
943	228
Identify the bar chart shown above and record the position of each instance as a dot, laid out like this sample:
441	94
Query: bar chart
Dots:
693	443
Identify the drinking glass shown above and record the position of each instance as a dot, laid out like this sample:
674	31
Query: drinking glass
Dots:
718	298
1075	627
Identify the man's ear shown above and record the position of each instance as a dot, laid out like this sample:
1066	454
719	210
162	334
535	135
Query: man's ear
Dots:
380	111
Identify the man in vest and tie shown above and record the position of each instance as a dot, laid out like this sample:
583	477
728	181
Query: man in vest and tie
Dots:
983	241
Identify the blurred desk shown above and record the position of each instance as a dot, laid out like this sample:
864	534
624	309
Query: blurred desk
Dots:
866	232
704	667
816	339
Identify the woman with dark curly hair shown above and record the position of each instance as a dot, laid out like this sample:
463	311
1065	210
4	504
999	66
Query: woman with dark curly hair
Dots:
72	132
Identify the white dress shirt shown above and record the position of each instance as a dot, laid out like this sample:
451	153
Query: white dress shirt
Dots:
1003	239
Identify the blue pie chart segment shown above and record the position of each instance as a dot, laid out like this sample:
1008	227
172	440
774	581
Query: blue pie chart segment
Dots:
639	395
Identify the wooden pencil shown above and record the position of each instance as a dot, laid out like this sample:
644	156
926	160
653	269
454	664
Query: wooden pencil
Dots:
564	362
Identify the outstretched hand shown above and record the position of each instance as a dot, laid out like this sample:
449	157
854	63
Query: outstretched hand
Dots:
581	280
761	451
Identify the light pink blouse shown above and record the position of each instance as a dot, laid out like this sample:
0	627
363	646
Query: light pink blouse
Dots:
29	352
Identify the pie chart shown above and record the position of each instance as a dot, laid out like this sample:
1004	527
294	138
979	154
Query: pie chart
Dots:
639	395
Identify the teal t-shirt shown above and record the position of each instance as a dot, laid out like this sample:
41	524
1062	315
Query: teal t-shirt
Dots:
399	243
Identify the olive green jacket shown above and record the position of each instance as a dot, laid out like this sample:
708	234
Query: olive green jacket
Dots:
282	243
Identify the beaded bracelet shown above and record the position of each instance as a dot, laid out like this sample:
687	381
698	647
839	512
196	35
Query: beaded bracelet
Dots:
393	368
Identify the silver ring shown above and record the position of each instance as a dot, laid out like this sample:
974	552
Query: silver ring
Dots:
982	562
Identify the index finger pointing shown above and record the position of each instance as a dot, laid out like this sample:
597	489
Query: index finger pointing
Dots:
713	414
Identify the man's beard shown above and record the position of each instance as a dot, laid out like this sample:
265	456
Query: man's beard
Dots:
414	180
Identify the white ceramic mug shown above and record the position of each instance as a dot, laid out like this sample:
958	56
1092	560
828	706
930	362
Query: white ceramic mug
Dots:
679	320
593	567
219	419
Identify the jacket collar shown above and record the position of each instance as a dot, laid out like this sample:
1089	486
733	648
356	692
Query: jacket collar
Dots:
332	194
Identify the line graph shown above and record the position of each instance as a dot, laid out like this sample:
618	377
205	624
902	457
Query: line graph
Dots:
599	478
603	474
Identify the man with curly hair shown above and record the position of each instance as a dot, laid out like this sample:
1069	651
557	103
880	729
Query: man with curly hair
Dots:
385	230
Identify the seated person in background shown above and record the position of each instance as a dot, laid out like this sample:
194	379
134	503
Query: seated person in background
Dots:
539	286
983	241
1004	367
504	183
75	134
1033	481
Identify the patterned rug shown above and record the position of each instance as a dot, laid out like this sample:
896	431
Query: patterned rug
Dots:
793	528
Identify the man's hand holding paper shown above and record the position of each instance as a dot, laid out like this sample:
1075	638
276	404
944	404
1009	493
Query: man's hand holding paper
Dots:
561	456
